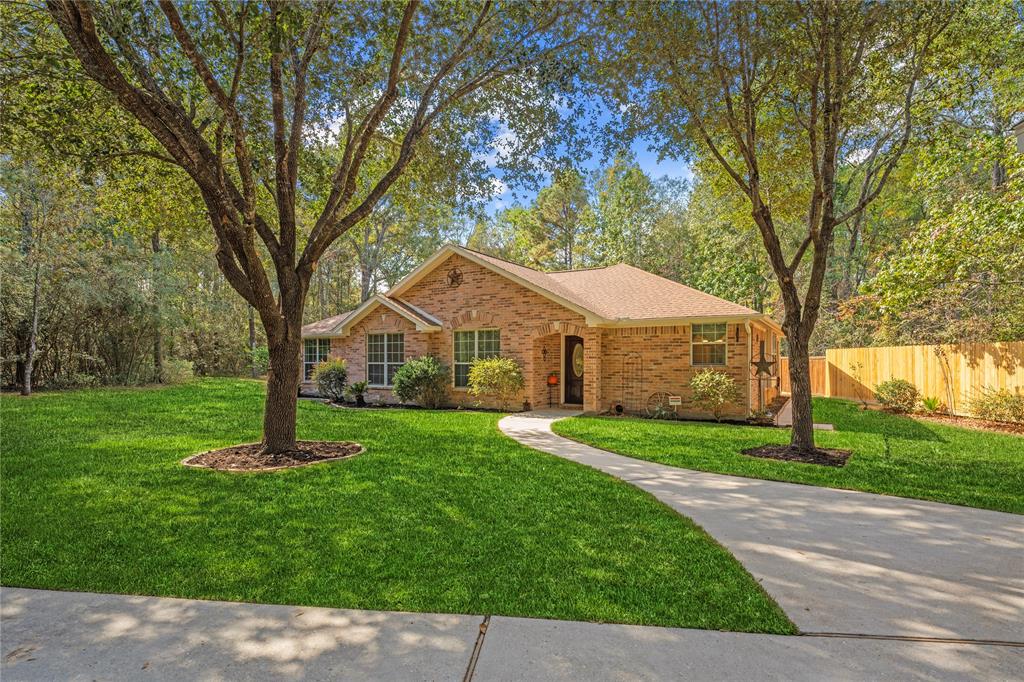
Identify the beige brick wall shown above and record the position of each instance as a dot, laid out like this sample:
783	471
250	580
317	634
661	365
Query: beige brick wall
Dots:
637	362
528	322
624	365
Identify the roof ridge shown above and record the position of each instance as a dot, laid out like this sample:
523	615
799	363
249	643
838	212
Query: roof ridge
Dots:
503	260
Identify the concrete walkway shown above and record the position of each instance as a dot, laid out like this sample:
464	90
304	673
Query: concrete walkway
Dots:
839	561
75	636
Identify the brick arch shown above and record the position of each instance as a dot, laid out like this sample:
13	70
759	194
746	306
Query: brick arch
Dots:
483	319
547	328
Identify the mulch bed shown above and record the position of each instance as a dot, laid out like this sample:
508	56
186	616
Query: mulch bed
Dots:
971	423
786	453
248	458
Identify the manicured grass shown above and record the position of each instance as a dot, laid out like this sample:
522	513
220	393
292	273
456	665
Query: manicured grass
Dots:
442	513
893	455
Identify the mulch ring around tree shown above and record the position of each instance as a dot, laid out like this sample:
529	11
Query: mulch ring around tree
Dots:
247	457
787	453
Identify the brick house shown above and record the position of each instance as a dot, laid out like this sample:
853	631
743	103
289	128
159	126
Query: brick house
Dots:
600	339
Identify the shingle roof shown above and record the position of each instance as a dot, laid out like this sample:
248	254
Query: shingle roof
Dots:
322	327
623	292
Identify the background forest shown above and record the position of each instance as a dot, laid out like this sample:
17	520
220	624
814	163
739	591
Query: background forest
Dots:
109	267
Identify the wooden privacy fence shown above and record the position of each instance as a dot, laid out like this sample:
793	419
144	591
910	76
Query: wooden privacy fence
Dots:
954	373
817	374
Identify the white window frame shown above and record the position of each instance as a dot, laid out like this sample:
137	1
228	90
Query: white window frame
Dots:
307	365
387	364
474	356
724	343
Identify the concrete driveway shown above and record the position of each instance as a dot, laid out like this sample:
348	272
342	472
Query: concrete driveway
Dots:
840	561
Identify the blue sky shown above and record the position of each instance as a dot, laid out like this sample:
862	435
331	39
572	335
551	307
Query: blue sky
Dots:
675	169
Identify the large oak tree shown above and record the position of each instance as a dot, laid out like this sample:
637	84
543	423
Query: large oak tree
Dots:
822	95
232	93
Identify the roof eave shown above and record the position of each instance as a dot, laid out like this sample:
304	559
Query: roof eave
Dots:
369	304
689	319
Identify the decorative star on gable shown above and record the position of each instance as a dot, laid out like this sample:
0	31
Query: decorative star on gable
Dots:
454	277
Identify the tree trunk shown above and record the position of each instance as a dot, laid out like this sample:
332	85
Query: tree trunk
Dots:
158	346
252	343
365	282
282	390
802	437
30	353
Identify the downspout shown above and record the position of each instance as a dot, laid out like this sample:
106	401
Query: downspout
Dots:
750	345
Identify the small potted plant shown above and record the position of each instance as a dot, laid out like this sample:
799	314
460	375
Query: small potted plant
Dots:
356	391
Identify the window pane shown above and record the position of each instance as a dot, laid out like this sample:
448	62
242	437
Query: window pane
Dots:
464	346
375	348
709	354
308	373
376	374
462	375
396	348
325	349
488	343
391	373
703	333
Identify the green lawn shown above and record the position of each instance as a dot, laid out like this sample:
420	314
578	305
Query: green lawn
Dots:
442	513
893	455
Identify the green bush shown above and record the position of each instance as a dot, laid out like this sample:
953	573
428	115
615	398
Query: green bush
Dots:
498	377
356	391
999	406
330	377
931	404
897	395
423	381
178	371
259	359
713	391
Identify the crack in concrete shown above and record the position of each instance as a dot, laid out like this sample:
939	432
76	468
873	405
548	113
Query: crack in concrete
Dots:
477	646
911	638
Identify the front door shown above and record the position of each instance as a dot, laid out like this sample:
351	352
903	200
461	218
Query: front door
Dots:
573	370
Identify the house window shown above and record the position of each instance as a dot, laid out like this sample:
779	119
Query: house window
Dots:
473	345
708	344
385	353
314	352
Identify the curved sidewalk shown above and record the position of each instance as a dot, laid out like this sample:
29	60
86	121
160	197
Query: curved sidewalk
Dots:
839	561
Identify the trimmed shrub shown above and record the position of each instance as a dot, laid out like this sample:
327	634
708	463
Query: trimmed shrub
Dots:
897	395
178	371
423	381
713	391
330	377
498	377
999	406
356	391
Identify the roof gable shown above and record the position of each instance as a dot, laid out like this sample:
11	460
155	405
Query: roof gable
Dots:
534	280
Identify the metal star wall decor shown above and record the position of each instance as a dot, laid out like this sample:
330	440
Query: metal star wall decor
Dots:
454	277
763	366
